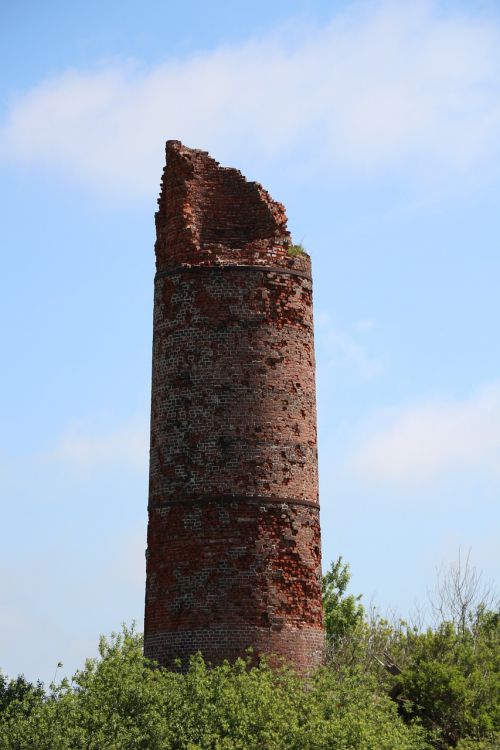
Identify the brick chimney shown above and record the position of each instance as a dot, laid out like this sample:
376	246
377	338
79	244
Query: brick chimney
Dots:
233	555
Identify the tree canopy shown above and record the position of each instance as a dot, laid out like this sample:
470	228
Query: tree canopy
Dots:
385	686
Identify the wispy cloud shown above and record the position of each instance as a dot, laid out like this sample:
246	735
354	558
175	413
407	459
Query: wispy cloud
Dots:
415	445
364	325
339	349
85	449
382	85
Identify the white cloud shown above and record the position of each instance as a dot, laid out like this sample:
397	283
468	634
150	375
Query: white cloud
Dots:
381	85
364	325
85	450
417	444
339	349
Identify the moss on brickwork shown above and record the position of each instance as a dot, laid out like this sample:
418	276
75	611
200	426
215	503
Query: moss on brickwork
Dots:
295	250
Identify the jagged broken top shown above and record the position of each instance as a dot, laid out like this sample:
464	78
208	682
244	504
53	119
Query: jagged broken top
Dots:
210	214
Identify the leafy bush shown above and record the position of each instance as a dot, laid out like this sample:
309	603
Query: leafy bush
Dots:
18	689
451	680
342	613
446	677
385	686
119	702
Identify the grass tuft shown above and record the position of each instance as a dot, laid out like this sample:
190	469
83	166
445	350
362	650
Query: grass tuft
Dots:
295	250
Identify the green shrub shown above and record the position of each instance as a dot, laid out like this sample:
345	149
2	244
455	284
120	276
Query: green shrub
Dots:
451	680
120	702
385	686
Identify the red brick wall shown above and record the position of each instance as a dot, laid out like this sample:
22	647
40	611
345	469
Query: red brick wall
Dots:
233	539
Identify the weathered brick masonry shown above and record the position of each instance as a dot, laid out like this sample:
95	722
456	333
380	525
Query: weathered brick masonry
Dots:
234	539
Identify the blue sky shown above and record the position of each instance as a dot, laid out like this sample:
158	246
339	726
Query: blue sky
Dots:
378	125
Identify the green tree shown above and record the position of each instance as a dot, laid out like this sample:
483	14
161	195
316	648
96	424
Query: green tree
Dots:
385	686
18	689
445	677
451	680
121	702
342	612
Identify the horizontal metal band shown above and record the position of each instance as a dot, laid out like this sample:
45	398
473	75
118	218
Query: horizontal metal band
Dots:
232	267
255	499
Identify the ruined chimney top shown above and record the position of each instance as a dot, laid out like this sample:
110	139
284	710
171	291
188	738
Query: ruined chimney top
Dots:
212	214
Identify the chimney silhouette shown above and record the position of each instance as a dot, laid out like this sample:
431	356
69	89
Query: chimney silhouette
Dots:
233	555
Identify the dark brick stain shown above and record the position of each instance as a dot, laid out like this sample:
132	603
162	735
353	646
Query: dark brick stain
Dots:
233	539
